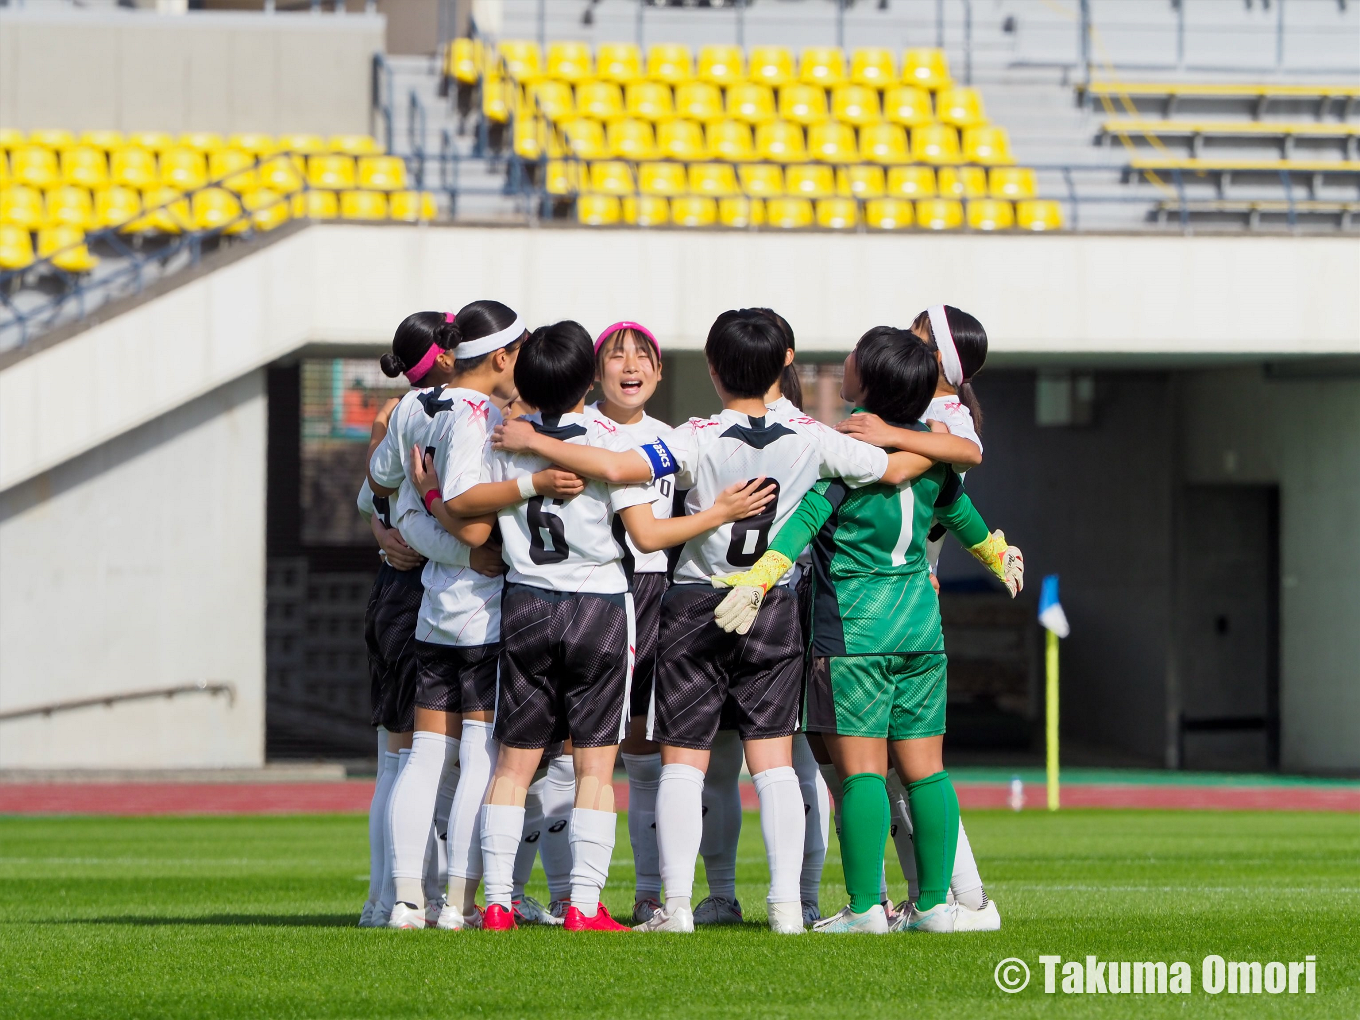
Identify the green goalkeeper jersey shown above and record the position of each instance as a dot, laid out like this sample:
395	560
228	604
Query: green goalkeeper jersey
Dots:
871	581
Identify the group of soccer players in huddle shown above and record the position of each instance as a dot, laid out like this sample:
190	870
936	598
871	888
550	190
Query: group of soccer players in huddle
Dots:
563	582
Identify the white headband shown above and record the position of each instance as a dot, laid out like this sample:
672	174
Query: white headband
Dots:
944	340
487	344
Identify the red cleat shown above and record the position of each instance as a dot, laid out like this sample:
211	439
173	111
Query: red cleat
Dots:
577	921
496	918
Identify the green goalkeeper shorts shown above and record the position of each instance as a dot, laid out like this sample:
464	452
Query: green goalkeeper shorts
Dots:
900	697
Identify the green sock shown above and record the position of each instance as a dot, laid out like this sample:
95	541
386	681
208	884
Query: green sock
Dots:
935	824
865	817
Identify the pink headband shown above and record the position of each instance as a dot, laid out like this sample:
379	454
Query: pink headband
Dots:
424	365
637	326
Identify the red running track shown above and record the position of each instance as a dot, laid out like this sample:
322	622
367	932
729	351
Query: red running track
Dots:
294	798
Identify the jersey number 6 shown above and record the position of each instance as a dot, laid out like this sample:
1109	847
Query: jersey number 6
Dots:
547	532
751	535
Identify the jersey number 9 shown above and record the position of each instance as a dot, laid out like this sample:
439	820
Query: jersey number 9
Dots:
547	532
751	535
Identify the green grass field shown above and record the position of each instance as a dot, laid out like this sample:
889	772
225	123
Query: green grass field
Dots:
237	917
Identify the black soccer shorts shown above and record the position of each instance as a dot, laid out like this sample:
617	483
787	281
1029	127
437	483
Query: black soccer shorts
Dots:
647	592
389	633
706	677
457	678
566	660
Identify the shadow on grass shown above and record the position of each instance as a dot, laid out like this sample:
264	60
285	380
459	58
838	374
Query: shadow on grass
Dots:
276	920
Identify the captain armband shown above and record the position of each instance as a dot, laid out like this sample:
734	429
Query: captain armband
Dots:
658	454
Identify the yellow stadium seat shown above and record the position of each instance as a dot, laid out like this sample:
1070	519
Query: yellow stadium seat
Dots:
649	100
233	170
562	177
788	213
935	143
11	138
215	208
530	137
694	211
762	180
412	206
780	142
810	180
741	212
184	169
164	211
939	213
874	67
699	100
133	168
201	141
771	65
584	138
151	141
662	179
1038	214
106	140
611	177
962	182
330	172
670	63
716	180
268	209
631	139
85	165
838	214
382	173
990	214
22	206
551	99
520	59
253	142
722	65
802	104
855	104
620	62
729	140
303	144
599	99
34	166
750	103
959	106
65	246
316	205
570	61
927	68
282	174
363	205
1012	182
888	214
832	142
496	94
115	206
646	210
822	65
16	247
860	182
680	139
70	206
354	145
883	143
911	182
597	210
908	106
989	145
465	60
51	138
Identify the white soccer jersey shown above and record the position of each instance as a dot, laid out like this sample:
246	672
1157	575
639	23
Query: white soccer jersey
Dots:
662	489
956	417
567	545
783	406
793	451
412	423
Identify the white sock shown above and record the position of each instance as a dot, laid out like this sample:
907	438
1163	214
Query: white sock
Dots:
679	811
901	830
412	811
592	846
377	814
501	828
644	774
722	814
528	843
389	893
559	794
477	761
966	881
816	818
781	823
437	858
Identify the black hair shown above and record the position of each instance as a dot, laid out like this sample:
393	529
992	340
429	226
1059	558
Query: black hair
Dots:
746	350
897	374
478	319
413	338
970	340
556	367
790	383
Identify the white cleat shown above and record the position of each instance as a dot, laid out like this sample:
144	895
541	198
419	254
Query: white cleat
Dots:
529	911
432	911
786	918
812	913
986	919
718	910
938	920
451	918
873	921
681	921
406	917
366	918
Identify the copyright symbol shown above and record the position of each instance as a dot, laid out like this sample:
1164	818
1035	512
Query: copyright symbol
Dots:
1011	975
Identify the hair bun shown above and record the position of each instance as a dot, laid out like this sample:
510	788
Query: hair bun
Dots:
449	335
391	365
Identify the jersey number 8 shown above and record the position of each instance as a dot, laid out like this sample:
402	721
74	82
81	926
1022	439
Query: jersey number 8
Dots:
751	535
547	532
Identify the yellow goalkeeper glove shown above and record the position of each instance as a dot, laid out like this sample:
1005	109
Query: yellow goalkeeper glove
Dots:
737	612
1007	562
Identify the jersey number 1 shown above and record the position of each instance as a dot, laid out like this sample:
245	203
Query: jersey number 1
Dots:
547	532
751	536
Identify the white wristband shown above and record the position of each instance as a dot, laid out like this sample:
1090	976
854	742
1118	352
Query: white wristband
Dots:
526	487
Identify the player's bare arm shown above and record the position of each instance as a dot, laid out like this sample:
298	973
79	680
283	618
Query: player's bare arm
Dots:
615	467
467	517
903	467
737	501
937	445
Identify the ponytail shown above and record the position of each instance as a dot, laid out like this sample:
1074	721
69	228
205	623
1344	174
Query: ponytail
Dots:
970	342
414	339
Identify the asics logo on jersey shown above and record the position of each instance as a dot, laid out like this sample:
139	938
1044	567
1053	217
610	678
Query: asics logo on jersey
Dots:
433	404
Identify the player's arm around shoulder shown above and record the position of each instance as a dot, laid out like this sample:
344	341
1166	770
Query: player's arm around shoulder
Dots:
589	460
737	501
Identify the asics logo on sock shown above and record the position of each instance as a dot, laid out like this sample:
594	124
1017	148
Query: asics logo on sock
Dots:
532	837
558	826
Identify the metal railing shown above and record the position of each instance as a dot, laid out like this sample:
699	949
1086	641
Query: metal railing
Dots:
211	688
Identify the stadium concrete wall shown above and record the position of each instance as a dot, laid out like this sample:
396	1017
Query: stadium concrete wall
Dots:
225	72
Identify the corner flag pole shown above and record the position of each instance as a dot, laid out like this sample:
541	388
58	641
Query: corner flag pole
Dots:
1054	621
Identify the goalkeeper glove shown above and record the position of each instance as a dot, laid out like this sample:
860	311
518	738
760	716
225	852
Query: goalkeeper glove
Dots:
737	612
1006	562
